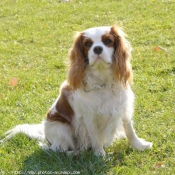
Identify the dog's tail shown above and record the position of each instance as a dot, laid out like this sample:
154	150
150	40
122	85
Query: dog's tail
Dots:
35	131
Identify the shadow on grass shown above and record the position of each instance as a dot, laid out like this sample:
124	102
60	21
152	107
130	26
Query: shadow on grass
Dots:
86	163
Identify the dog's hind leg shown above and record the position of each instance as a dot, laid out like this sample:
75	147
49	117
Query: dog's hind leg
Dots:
59	135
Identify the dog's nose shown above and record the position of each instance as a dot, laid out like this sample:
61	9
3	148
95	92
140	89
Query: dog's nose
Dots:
98	50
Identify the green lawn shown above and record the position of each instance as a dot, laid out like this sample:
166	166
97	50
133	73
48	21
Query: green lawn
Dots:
35	37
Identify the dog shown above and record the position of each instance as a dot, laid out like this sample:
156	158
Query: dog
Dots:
95	103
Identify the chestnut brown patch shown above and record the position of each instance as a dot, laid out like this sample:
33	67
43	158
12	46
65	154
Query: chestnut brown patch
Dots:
64	112
122	54
108	40
87	43
78	62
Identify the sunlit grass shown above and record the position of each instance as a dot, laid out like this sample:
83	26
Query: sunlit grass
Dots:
35	37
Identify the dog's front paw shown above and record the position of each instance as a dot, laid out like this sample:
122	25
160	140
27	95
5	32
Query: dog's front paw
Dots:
140	144
100	152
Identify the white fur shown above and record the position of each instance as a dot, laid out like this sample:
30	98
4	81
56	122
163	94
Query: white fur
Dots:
59	135
35	131
102	107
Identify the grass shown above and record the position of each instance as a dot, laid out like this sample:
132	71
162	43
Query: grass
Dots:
35	37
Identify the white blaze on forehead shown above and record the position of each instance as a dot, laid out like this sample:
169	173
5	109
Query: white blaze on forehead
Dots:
96	32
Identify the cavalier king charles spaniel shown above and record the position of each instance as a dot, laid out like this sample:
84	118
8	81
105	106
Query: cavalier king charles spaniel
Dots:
95	104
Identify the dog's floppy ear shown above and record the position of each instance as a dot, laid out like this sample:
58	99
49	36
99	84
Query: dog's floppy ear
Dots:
61	110
122	54
77	63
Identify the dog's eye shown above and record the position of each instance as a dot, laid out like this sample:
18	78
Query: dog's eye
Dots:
107	41
88	44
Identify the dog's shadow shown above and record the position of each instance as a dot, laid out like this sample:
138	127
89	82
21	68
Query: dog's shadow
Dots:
44	162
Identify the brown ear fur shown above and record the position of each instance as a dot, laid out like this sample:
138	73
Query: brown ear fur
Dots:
64	113
122	67
77	63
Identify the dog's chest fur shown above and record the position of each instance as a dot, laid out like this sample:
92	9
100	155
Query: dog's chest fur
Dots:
98	109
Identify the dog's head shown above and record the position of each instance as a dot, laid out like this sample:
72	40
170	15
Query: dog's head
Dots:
100	48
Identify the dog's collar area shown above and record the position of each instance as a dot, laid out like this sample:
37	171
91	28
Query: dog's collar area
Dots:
95	86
